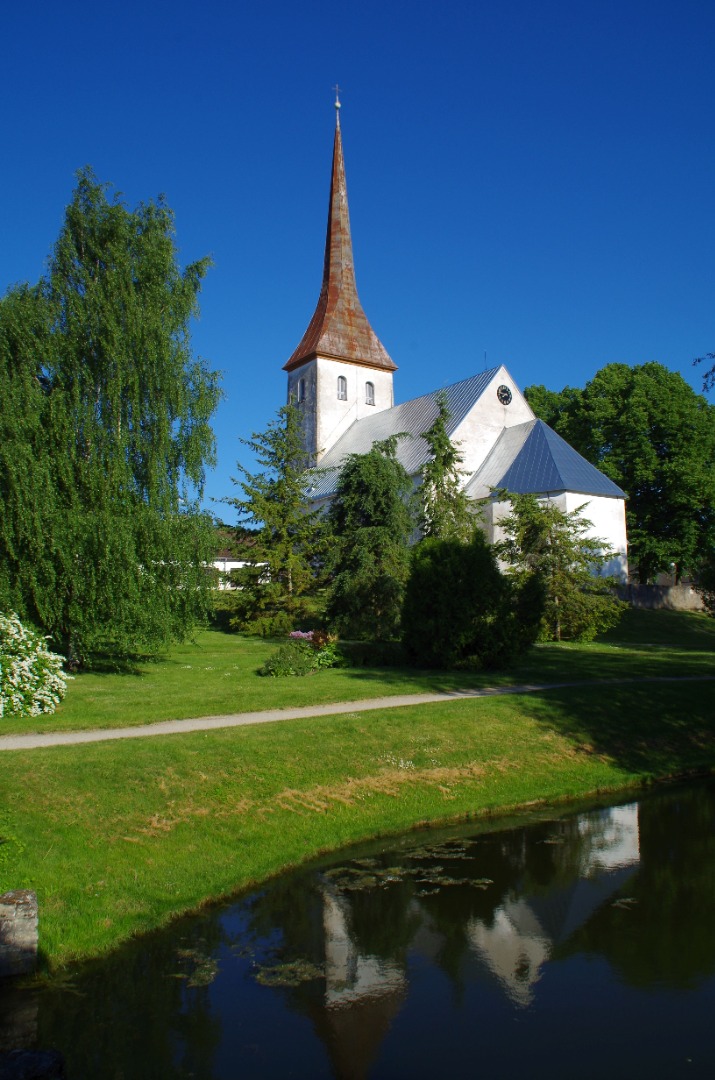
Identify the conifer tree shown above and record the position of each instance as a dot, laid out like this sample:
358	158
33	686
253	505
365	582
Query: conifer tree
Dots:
444	508
284	553
554	546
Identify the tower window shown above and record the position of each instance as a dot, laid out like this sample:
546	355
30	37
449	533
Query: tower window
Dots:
369	393
301	390
342	388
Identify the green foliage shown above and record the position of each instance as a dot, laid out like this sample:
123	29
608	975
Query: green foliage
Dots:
370	523
444	508
552	406
292	658
102	453
303	655
647	430
709	374
274	588
546	543
459	610
31	677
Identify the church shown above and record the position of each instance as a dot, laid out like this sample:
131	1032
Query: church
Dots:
341	378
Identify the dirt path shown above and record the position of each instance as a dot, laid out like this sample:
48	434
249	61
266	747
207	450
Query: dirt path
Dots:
211	723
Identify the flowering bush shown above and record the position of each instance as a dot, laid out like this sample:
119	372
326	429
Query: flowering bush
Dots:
305	652
31	677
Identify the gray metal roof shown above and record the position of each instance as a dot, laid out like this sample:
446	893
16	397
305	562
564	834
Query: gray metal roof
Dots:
532	458
412	417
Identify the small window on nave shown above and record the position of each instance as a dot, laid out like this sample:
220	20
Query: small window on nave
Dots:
342	388
369	393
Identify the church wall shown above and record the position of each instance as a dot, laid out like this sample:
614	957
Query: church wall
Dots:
608	517
334	416
481	428
307	374
609	521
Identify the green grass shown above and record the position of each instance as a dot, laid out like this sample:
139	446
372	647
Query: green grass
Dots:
216	674
119	837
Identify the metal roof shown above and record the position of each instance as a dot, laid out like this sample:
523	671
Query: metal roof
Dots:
339	327
532	458
412	417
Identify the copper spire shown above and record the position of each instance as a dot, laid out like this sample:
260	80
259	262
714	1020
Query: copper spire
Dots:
339	328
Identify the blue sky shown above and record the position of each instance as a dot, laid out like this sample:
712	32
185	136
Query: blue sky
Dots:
530	179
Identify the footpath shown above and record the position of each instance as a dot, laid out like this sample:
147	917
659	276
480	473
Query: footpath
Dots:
268	716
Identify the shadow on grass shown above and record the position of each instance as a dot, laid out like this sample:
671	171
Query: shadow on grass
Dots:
550	663
657	730
684	629
106	663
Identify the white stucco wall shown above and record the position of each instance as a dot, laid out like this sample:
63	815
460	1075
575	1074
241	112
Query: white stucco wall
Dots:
608	518
609	521
326	417
481	428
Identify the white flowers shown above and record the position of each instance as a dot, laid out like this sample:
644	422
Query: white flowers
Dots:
31	677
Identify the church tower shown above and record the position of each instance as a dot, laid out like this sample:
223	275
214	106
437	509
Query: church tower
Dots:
340	371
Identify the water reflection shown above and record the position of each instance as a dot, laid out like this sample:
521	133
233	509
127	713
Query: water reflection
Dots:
428	958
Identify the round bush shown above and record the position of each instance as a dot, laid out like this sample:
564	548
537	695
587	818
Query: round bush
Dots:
460	611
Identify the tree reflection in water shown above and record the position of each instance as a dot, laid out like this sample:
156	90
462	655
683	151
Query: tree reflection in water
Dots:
411	961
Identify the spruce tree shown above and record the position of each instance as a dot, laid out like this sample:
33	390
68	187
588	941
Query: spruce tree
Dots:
283	558
444	508
555	546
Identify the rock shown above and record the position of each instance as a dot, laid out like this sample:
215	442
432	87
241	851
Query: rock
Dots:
18	932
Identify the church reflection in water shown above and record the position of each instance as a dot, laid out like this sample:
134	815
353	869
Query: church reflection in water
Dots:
494	907
401	961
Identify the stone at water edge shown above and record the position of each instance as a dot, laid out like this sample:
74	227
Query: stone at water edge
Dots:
18	932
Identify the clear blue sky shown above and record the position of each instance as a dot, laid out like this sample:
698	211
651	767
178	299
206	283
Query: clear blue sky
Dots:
533	179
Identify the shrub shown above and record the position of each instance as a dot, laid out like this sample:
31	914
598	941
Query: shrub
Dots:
31	677
292	658
460	611
306	651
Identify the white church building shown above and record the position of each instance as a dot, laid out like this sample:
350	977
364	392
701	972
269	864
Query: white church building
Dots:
341	377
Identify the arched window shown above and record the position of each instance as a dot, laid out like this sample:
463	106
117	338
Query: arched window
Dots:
369	393
342	388
301	390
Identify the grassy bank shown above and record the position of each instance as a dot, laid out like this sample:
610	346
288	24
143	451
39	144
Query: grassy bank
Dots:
117	837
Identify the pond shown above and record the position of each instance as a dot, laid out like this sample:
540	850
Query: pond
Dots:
558	945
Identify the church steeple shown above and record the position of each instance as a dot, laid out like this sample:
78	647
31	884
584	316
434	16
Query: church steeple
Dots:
339	329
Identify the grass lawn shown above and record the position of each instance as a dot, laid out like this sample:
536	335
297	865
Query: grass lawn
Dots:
118	837
216	674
